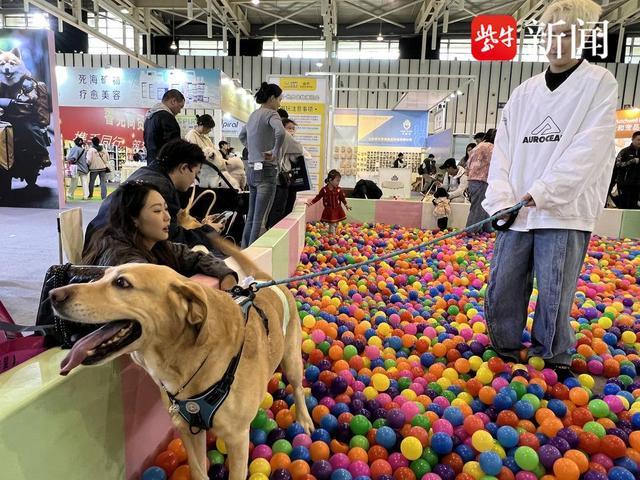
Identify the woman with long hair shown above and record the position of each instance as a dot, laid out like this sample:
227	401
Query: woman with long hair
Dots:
199	135
465	160
263	136
138	232
477	171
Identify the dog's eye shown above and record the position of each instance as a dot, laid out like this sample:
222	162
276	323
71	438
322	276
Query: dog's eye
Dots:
122	282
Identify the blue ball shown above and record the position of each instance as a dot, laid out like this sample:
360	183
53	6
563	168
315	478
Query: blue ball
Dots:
627	463
524	409
300	453
490	462
312	373
154	473
557	407
454	416
321	435
619	473
386	437
492	428
511	464
341	474
466	452
635	420
294	429
502	402
329	423
257	436
508	436
441	443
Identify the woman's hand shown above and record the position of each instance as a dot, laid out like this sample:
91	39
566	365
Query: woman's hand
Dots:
268	156
218	227
529	199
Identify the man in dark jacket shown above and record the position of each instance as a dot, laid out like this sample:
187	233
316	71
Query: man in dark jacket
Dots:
628	174
174	171
160	124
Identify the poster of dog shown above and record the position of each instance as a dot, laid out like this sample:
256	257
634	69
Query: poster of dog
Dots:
30	150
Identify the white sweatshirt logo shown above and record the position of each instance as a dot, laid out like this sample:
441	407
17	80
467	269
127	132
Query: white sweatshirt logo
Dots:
547	131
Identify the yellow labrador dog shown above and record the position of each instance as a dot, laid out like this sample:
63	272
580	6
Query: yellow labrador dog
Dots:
185	336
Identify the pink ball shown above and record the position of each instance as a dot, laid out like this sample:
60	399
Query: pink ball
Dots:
411	329
602	459
467	334
261	451
483	339
461	433
499	383
358	386
270	414
443	426
339	460
394	319
359	469
522	475
431	476
318	336
410	410
348	376
483	416
595	367
615	403
430	332
550	376
357	298
328	402
417	387
397	460
442	401
400	400
422	381
372	352
302	440
383	399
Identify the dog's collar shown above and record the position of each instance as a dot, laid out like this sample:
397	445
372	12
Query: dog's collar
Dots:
198	410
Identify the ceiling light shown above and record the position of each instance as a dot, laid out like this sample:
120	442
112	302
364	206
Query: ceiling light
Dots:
124	10
255	2
448	100
458	92
319	64
275	39
173	45
380	37
453	95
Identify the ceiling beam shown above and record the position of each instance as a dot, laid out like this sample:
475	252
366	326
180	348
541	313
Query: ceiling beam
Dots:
485	10
114	9
372	15
288	17
390	12
529	10
264	12
234	15
80	25
423	14
626	14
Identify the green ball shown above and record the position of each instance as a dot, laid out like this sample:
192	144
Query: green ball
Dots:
527	458
359	441
540	471
453	310
379	422
430	456
215	457
421	421
599	408
269	425
282	446
488	477
259	420
404	383
626	380
436	387
595	428
420	467
324	347
360	425
532	399
488	355
519	388
388	363
349	352
449	395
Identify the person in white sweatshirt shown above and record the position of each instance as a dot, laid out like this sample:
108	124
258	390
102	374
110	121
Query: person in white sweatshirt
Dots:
554	149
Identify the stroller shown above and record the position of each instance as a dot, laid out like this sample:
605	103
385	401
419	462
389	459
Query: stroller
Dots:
231	207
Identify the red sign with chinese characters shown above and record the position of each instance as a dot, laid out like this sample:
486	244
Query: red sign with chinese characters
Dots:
494	37
120	127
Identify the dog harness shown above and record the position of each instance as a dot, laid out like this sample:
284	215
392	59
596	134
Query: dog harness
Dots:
198	411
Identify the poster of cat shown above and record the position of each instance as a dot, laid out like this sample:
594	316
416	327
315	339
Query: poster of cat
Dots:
30	149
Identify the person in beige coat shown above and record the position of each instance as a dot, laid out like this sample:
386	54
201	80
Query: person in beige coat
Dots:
98	161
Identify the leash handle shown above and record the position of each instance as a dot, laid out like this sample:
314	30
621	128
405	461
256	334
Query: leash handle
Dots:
501	227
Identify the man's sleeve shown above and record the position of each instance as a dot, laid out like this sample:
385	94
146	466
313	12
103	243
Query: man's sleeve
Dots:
499	194
170	128
586	158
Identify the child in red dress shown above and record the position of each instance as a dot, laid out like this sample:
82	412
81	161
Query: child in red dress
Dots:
332	200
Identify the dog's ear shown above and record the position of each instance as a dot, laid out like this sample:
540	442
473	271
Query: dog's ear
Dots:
16	52
196	299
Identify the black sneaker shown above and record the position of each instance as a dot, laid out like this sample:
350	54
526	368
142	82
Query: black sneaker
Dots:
563	371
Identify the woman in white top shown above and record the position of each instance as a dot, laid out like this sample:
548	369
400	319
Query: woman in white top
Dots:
199	135
98	161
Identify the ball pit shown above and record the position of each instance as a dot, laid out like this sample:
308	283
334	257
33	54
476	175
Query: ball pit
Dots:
402	383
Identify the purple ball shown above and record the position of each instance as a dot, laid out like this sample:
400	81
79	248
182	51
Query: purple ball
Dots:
217	472
548	455
594	475
338	386
275	435
324	364
570	436
280	474
319	390
321	469
355	405
385	477
560	443
395	418
445	471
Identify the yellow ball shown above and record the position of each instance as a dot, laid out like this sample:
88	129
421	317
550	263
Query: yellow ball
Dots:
370	393
267	401
308	321
595	278
308	346
482	441
466	397
497	448
261	466
475	362
473	469
472	312
484	375
450	374
586	381
221	447
629	337
380	382
258	476
444	382
375	341
605	322
411	448
409	394
479	327
537	363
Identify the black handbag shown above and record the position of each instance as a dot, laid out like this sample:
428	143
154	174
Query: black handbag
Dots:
64	333
299	177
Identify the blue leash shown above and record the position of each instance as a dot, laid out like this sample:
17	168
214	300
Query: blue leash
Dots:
512	213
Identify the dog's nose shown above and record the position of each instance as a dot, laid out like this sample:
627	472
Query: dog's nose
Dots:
58	296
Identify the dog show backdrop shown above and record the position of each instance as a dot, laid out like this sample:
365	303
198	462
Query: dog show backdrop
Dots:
136	87
31	171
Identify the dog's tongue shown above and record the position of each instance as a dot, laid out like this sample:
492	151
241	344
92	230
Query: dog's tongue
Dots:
80	350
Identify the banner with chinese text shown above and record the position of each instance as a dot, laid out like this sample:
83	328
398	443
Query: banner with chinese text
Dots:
627	122
136	87
305	99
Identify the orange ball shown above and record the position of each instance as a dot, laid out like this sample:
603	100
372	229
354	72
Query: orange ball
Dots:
280	461
579	396
358	454
183	472
377	452
566	469
551	426
579	458
319	451
634	440
298	469
284	418
177	447
318	412
612	446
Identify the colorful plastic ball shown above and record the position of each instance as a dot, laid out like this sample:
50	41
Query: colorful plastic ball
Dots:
441	443
154	473
341	474
386	437
482	441
380	382
379	468
411	448
260	465
548	455
167	461
490	462
360	425
566	469
598	408
177	447
526	458
183	472
321	469
507	436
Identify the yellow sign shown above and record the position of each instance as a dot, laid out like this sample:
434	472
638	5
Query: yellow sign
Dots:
304	108
298	83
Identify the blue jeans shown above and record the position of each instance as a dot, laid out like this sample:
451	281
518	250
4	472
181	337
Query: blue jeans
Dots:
103	182
477	190
555	257
262	190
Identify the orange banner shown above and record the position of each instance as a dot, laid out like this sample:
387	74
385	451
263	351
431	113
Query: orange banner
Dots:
627	122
